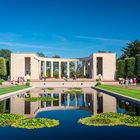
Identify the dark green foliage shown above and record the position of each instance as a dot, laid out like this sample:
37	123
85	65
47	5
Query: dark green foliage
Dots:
138	66
132	49
55	75
5	53
121	69
40	54
130	67
3	70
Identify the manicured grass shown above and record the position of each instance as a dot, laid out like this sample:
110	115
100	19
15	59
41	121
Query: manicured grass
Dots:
12	89
134	93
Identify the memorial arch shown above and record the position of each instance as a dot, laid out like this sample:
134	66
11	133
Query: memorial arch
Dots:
103	64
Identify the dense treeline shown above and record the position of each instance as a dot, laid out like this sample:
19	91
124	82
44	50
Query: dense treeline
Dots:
128	65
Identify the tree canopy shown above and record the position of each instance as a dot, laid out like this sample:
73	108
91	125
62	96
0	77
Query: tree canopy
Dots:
40	54
132	49
5	53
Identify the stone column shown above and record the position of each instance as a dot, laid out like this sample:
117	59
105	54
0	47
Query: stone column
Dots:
51	101
44	68
68	99
52	69
60	69
68	69
39	68
76	100
75	66
84	68
59	99
95	103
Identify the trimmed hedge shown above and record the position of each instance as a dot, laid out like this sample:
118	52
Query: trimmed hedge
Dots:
130	67
3	68
121	69
138	66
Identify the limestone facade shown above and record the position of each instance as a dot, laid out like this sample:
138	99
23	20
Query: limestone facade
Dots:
95	65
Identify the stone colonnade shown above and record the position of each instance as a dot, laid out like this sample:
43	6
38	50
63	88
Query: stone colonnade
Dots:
43	68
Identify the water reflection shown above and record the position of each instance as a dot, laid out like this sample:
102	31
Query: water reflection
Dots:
91	100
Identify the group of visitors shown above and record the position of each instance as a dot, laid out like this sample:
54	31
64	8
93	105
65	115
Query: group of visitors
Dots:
126	82
20	80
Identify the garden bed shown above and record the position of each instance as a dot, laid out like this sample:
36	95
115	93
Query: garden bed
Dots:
111	119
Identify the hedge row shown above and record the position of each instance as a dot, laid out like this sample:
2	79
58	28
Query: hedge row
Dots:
129	67
3	68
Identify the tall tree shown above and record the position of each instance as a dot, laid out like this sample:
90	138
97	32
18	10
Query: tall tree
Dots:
132	49
5	53
40	54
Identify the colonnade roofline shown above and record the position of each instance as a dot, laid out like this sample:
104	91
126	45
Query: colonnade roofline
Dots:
64	59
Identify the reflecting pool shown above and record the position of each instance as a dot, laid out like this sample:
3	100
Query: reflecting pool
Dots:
68	109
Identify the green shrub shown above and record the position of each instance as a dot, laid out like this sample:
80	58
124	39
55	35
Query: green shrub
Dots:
3	69
27	84
55	75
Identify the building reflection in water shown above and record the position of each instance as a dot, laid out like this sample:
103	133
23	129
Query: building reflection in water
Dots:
94	101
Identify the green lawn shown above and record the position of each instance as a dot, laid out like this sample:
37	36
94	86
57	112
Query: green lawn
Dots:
134	93
12	89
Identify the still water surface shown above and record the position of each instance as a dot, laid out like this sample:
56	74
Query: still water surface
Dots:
68	109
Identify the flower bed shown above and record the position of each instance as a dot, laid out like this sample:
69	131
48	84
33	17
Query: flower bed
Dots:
35	123
20	121
8	119
111	119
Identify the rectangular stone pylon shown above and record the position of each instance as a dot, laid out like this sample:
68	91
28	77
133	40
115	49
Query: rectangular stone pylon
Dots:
52	69
60	69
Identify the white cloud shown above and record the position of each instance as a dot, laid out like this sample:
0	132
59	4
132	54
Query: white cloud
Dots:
101	39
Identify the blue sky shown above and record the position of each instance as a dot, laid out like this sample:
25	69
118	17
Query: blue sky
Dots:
69	28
